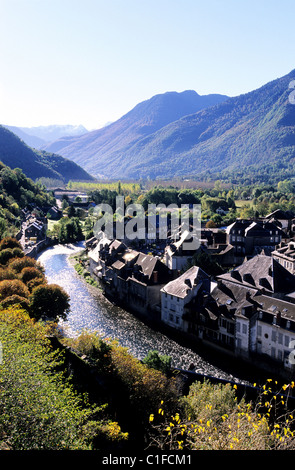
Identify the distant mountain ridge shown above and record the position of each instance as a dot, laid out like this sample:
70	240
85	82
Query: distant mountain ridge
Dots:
95	150
246	131
38	136
36	164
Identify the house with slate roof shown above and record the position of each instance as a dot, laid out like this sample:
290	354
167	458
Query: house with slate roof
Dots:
132	278
283	219
285	255
250	237
180	252
254	312
176	296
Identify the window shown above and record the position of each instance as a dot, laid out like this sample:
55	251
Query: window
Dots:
177	320
223	323
280	338
274	336
259	330
273	352
280	355
244	329
171	318
238	327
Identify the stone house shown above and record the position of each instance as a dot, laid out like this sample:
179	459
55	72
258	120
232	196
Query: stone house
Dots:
285	255
180	252
255	297
250	237
34	229
131	278
177	298
283	219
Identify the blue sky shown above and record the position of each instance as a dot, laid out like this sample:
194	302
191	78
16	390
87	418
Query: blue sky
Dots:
91	61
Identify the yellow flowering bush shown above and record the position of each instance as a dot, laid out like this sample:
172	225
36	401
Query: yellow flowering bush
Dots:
212	418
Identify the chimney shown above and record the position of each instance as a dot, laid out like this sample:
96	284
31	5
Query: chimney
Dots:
155	277
188	283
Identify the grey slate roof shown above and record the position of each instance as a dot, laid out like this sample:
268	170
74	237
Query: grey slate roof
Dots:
262	272
179	287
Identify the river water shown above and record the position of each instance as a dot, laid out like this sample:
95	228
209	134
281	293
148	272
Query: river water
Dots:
91	311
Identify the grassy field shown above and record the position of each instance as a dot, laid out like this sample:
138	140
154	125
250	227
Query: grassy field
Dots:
112	186
240	203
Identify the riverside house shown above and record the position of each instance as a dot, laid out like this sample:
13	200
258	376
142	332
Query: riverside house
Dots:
250	313
132	278
180	293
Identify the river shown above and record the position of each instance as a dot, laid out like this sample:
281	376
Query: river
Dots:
91	311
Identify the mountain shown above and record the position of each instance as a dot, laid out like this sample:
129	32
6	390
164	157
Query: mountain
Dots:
36	164
253	130
250	130
30	140
109	145
37	137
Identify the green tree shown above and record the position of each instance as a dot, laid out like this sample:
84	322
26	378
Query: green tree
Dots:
49	301
157	361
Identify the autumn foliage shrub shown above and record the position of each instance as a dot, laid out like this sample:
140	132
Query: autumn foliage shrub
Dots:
49	300
15	299
29	273
23	282
10	242
11	287
7	273
18	264
6	255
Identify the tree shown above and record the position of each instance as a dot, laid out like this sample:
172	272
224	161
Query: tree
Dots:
49	301
158	362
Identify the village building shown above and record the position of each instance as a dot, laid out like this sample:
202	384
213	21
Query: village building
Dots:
249	237
178	295
34	229
179	253
54	213
283	219
248	312
285	255
255	299
133	278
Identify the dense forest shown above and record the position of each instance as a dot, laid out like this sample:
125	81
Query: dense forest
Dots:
18	192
